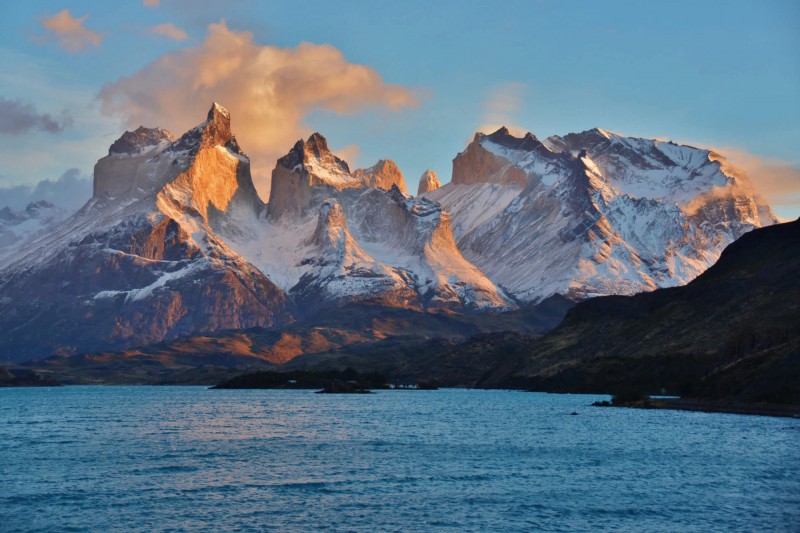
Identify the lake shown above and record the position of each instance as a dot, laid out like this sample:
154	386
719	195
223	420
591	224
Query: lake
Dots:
188	458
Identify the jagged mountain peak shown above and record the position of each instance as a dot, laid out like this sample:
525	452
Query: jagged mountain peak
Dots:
318	144
428	182
503	137
218	110
215	131
313	153
382	175
316	152
594	212
310	166
202	173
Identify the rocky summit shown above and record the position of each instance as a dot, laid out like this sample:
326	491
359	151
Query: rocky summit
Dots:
142	261
594	213
176	242
428	182
341	237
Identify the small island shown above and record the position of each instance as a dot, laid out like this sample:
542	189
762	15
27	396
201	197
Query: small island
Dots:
343	387
348	381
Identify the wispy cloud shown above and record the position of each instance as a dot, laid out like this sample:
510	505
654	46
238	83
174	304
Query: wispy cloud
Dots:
18	117
151	3
70	32
502	106
775	179
268	89
169	30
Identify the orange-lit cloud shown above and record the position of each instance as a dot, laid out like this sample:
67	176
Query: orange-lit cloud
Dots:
776	180
502	106
269	91
70	32
349	153
151	3
169	30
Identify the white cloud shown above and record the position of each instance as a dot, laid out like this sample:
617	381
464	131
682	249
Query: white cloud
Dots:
502	107
778	181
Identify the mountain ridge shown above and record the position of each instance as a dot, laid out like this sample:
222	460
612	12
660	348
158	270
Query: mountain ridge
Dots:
594	213
176	226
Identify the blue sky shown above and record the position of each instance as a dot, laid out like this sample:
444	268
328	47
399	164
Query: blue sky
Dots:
724	74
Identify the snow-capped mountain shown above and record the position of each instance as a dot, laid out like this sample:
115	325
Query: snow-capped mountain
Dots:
142	261
332	237
175	241
18	226
594	213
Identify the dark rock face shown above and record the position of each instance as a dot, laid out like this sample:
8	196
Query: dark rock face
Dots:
134	142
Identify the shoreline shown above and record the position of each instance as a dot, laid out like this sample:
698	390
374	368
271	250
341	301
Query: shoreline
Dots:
709	406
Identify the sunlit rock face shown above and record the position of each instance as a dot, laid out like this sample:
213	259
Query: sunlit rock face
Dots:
143	260
175	240
347	237
594	213
428	182
311	166
383	175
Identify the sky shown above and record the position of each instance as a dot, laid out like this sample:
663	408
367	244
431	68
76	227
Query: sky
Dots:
410	81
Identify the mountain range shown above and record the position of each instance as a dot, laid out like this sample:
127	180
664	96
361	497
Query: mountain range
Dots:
175	241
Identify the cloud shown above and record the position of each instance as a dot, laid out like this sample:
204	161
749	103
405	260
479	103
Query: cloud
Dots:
70	191
502	106
268	89
778	181
17	117
349	153
151	3
169	30
72	35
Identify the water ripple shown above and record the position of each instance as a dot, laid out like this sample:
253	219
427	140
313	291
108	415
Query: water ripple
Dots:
191	459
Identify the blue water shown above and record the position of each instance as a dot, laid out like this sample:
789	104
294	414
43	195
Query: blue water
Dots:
187	458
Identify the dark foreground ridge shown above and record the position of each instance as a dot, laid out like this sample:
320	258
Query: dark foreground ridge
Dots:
22	377
730	335
687	404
